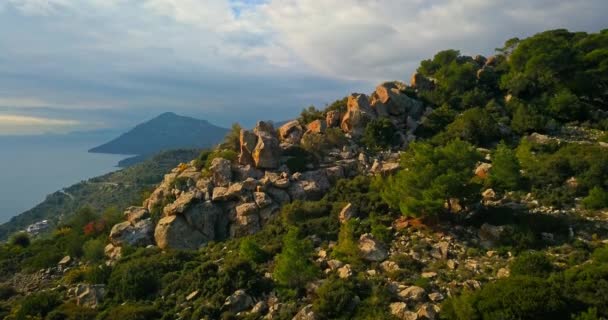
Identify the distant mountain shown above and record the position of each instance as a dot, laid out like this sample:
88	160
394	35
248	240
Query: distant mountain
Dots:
165	132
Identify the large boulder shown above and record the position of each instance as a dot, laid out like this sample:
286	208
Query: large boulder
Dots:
247	220
420	82
89	295
317	126
207	218
135	214
180	204
238	301
174	232
267	150
132	234
221	171
332	119
389	95
248	141
291	132
371	249
358	114
311	185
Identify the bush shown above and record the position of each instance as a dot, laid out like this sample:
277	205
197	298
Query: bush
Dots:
7	291
132	312
299	211
251	251
335	299
597	199
380	134
134	280
70	311
505	174
535	264
293	267
93	250
21	239
476	126
310	114
37	305
347	248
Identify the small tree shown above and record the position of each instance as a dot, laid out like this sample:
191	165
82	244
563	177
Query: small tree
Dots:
347	248
21	239
597	199
505	174
293	265
380	133
431	177
232	140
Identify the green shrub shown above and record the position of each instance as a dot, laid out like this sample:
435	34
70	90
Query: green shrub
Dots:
7	291
293	267
505	173
21	239
476	126
299	211
597	199
535	264
251	251
335	299
347	248
135	280
132	312
310	114
37	305
93	250
380	134
70	311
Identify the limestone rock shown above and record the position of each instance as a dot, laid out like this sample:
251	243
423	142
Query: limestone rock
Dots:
221	171
358	113
247	220
345	272
248	141
413	293
90	295
238	301
347	213
224	194
420	82
279	196
483	170
267	150
371	249
138	234
181	204
305	313
135	214
332	119
262	199
174	232
206	218
317	126
291	132
312	185
399	310
489	234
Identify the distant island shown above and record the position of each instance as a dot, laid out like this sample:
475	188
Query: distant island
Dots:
167	131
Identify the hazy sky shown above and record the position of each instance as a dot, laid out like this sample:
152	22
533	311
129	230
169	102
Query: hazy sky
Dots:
73	64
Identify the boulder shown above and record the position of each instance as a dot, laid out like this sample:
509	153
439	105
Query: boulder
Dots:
243	172
358	114
247	220
291	132
332	119
231	193
181	204
335	173
483	169
238	301
347	213
390	96
221	171
412	293
206	218
248	141
490	235
399	310
135	214
305	313
427	312
262	199
137	234
317	126
112	252
278	195
311	185
90	295
267	151
420	82
371	249
174	232
489	194
345	272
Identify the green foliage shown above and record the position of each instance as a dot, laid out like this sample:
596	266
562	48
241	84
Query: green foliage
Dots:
335	299
597	199
94	250
505	174
70	311
476	126
21	239
436	121
566	106
298	159
430	177
535	264
132	312
251	251
232	140
380	134
338	105
347	249
293	267
37	304
299	211
310	114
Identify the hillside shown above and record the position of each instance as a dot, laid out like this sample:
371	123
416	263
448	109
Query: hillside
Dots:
479	190
168	131
118	189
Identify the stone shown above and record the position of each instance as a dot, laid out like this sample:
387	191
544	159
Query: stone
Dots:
112	252
267	151
248	141
279	196
224	194
335	264
317	126
358	114
332	119
389	266
262	200
90	295
180	204
347	213
65	261
192	295
503	273
138	234
312	185
489	234
426	311
221	172
452	264
389	95
291	132
371	249
429	275
238	301
420	82
482	170
260	308
436	296
399	310
243	172
174	232
335	173
443	248
345	272
489	194
305	313
135	214
412	293
206	218
539	138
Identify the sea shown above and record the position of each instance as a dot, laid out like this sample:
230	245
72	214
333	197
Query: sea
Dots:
32	167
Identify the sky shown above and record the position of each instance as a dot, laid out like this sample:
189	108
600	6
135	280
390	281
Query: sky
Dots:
94	64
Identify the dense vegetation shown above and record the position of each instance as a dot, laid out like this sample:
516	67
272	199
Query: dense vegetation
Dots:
483	109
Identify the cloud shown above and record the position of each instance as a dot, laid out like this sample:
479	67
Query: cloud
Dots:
18	124
233	60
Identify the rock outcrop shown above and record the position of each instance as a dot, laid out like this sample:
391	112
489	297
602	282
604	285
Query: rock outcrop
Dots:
267	152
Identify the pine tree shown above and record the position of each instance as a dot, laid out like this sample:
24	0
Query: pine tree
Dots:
505	174
293	265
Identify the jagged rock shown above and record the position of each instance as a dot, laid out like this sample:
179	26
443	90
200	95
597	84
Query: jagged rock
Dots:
305	313
385	168
192	295
427	311
539	138
420	82
347	213
221	171
206	217
413	293
503	273
238	301
345	272
291	132
224	194
389	95
371	249
138	234
317	126
443	248
489	194
482	170
262	199
260	308
134	214
399	310
268	212
243	172
267	150
452	264
312	185
65	261
334	264
332	119
429	275
334	173
279	196
389	266
180	204
112	252
174	232
90	295
357	115
247	220
436	296
248	141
